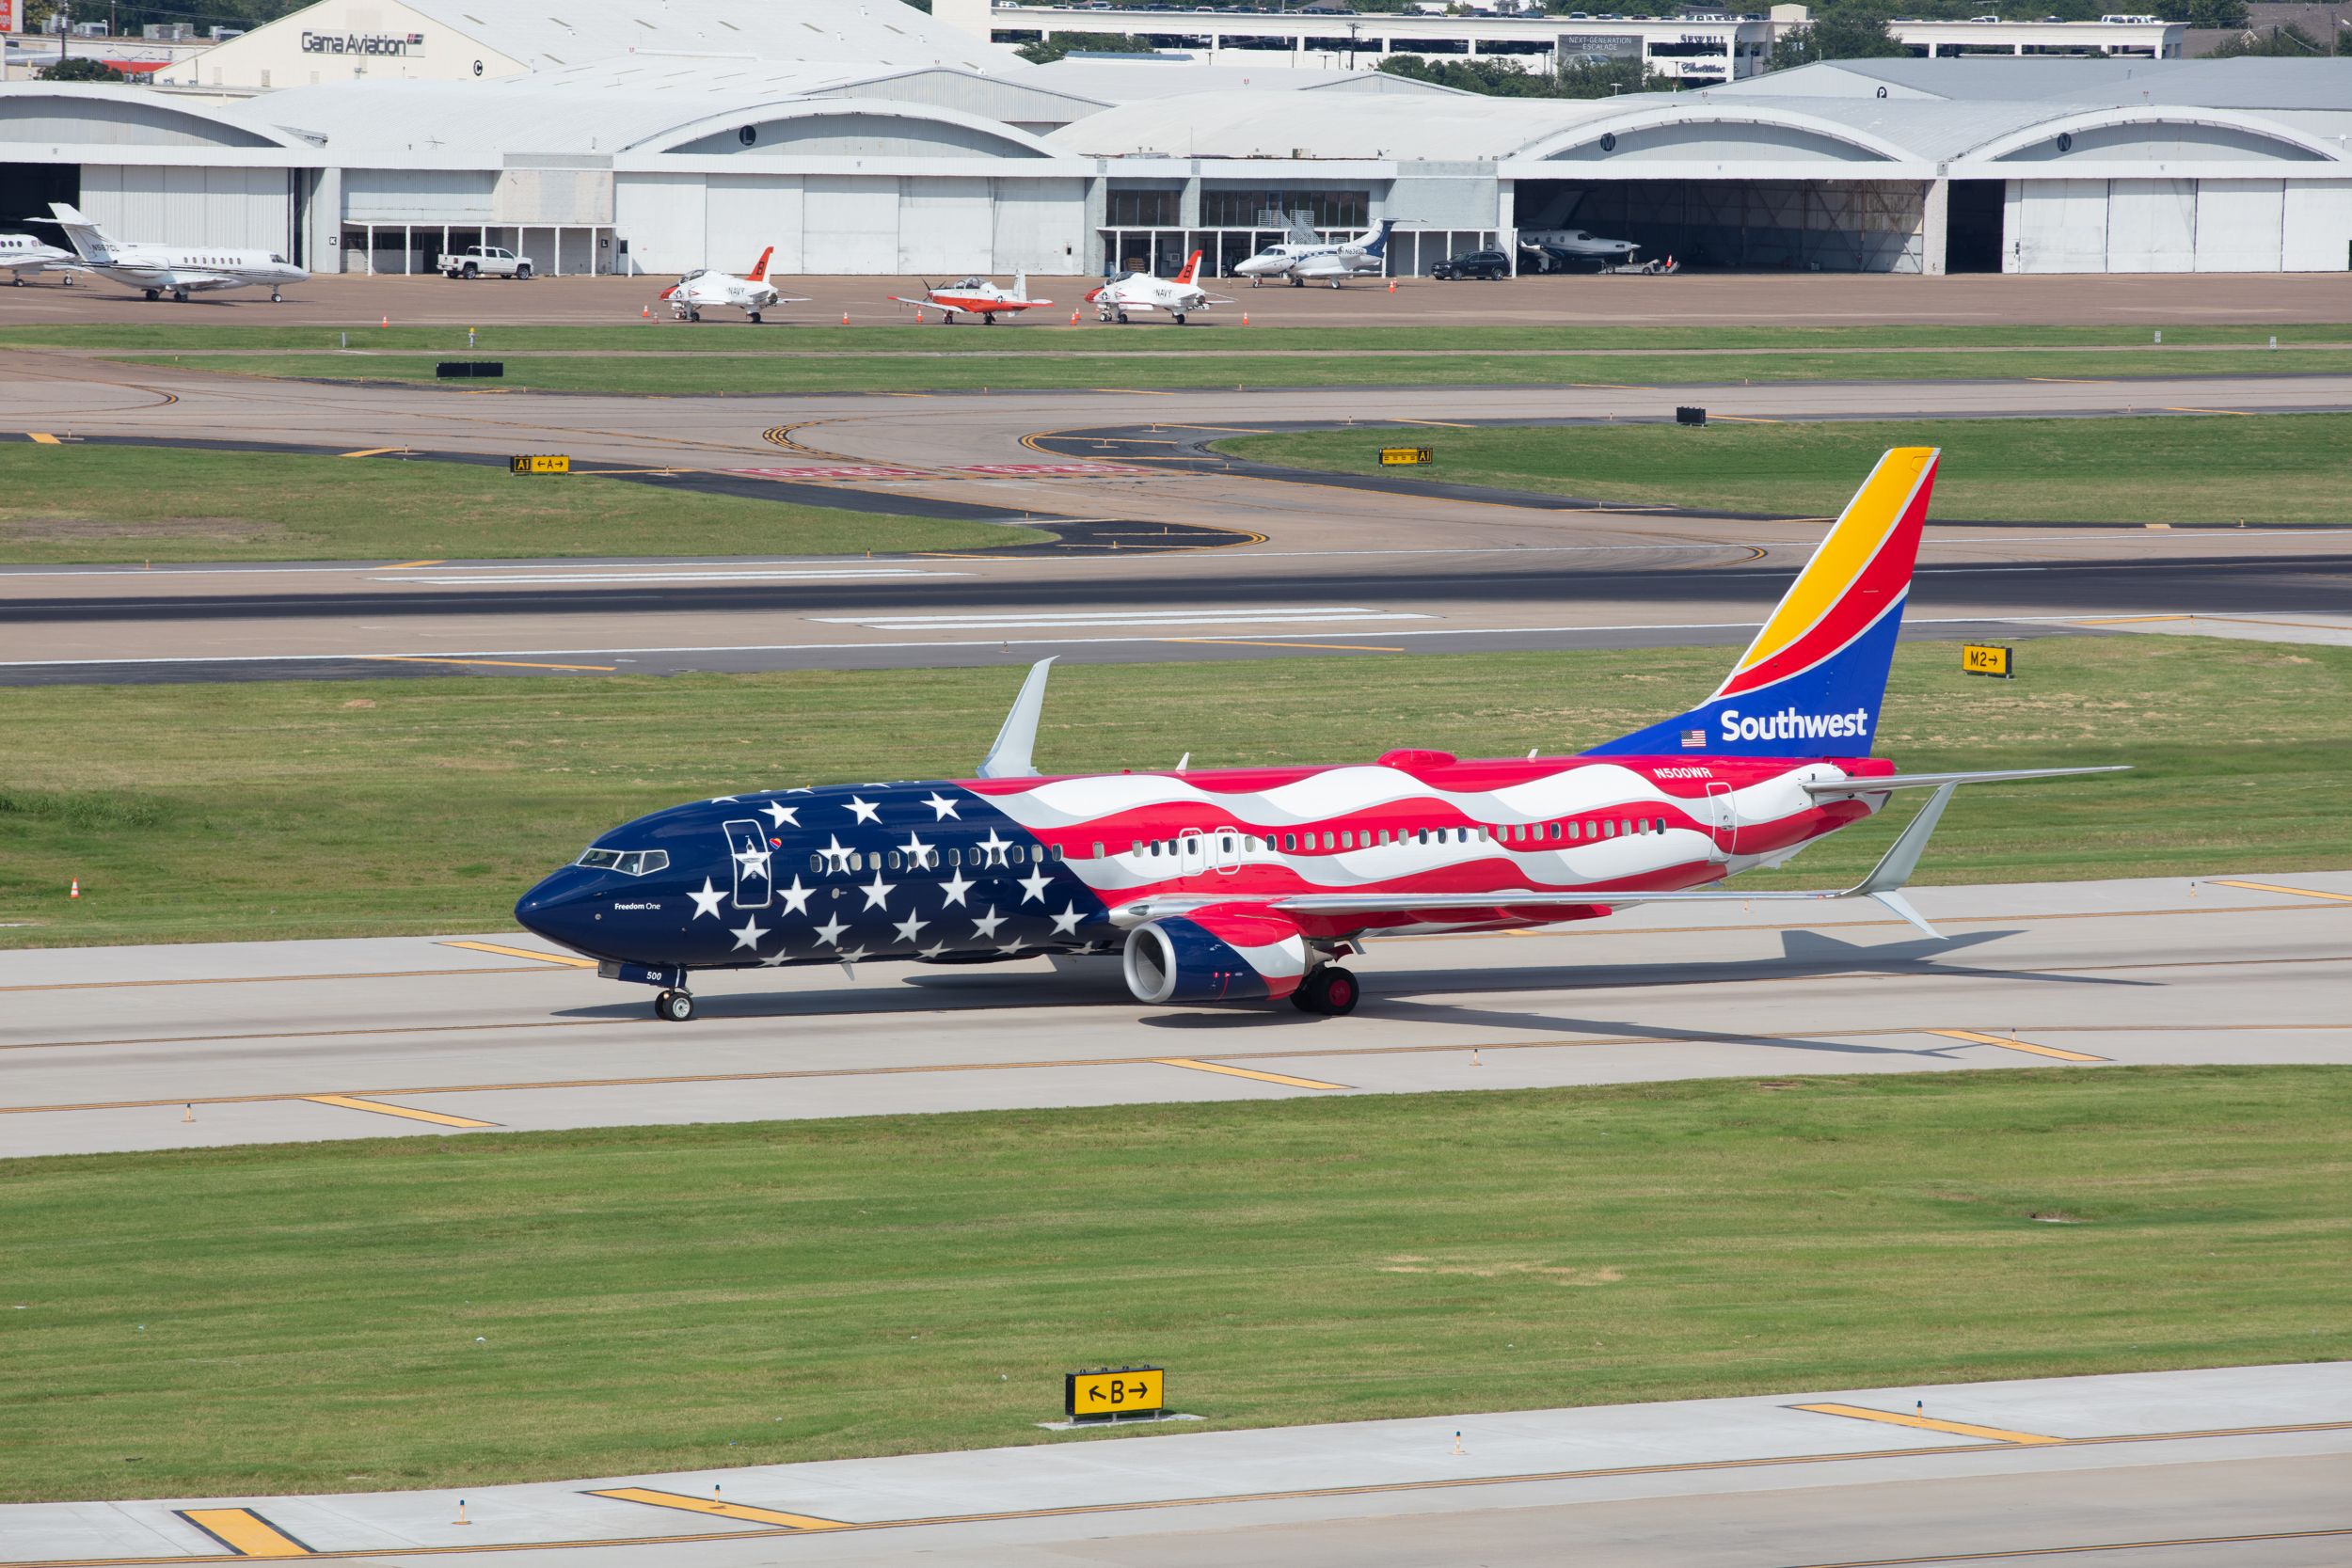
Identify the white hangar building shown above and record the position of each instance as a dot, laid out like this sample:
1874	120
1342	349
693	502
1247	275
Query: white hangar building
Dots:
862	137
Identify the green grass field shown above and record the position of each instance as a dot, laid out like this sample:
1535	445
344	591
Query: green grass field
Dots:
2262	468
305	809
1206	362
444	1312
899	335
103	503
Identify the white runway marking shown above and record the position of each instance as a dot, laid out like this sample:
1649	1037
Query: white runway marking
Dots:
1105	618
845	574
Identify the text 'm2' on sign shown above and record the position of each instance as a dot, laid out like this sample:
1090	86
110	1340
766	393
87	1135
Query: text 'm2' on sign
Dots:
1401	457
544	463
1115	1391
1986	658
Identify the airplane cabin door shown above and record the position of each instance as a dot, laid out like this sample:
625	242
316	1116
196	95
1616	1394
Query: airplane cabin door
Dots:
754	877
1724	810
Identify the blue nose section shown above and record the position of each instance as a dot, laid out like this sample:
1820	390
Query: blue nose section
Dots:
558	908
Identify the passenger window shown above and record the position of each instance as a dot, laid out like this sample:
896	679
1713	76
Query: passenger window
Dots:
1098	848
1135	846
1609	829
1331	841
1290	841
1347	840
1224	844
893	860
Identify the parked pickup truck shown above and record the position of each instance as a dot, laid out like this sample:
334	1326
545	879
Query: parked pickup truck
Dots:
484	261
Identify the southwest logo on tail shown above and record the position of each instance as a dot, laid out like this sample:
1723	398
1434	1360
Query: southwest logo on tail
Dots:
1811	683
1253	884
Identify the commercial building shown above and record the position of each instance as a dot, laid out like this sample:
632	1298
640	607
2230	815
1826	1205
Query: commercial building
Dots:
933	152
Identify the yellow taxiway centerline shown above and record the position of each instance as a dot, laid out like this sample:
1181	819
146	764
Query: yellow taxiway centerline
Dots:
373	452
564	958
1928	1423
2297	892
402	565
2008	1044
713	1507
243	1531
349	1102
1199	1065
42	438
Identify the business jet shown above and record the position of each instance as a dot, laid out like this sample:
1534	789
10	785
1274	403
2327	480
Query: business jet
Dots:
1320	262
1253	884
157	270
22	253
974	296
1564	248
692	294
1180	296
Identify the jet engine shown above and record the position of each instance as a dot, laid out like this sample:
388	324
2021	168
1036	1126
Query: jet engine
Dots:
1222	953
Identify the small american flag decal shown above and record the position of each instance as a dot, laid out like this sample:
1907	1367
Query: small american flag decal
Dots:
1694	740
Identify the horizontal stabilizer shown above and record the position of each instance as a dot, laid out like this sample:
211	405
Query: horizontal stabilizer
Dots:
1927	780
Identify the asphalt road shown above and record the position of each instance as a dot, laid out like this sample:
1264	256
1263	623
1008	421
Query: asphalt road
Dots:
177	1046
1348	569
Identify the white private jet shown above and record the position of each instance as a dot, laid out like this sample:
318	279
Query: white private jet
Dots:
1564	248
1322	261
157	270
22	253
1180	296
751	294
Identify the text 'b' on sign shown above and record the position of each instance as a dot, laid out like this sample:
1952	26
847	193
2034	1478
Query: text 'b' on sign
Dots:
1400	457
1120	1391
1986	658
543	463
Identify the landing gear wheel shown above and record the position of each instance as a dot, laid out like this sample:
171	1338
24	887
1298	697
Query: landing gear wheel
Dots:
754	317
1179	320
276	298
1122	318
153	293
674	1007
693	315
1330	991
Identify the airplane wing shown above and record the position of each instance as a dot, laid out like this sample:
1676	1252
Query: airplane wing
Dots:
789	299
198	282
923	303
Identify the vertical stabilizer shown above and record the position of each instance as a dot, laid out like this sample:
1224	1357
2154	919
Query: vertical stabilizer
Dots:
759	268
1811	683
1021	286
1192	265
89	241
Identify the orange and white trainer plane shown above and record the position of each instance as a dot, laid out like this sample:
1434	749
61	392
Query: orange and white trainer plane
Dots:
974	296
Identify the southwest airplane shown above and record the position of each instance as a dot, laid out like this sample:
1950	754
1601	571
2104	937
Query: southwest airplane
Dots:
178	270
1250	884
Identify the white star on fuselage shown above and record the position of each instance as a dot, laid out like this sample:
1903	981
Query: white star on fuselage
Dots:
918	853
955	887
944	807
907	927
782	815
754	862
864	810
1066	923
707	901
795	898
878	892
749	933
837	854
992	848
1034	885
986	925
830	932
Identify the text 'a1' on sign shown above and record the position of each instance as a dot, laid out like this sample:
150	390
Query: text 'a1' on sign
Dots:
1987	659
1115	1392
543	462
1399	457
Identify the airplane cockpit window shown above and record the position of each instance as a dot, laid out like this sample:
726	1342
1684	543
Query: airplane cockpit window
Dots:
634	863
276	258
965	283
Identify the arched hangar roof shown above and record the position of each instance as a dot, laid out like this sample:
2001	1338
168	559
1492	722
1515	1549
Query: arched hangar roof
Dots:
104	115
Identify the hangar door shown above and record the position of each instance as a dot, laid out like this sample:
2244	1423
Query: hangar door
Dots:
748	213
28	189
247	208
850	222
1803	226
947	224
1040	226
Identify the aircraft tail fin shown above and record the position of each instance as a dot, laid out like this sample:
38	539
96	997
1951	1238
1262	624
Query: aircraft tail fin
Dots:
1811	682
89	241
759	268
1021	285
1379	244
1192	265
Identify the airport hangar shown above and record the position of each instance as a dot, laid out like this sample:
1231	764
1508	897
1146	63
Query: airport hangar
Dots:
663	135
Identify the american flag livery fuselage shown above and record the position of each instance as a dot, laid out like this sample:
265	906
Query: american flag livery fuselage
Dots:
1250	884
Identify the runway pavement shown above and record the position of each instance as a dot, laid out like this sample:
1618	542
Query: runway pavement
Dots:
182	1046
1324	564
2247	1466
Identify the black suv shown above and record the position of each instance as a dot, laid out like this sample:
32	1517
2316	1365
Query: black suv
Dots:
1476	263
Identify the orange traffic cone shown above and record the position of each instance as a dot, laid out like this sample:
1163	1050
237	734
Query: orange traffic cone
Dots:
845	318
75	891
1391	285
1073	317
386	322
645	312
1245	318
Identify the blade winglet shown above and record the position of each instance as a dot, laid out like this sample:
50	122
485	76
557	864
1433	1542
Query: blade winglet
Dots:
1010	757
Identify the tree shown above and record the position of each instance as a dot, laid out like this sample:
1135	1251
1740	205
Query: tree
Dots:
1848	32
2285	39
79	68
1046	51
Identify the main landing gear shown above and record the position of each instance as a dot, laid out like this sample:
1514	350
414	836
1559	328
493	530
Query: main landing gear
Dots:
674	1007
1328	991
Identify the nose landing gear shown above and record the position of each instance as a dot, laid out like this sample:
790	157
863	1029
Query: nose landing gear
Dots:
674	1007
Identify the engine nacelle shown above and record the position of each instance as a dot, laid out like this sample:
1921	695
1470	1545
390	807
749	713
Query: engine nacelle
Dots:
1222	953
